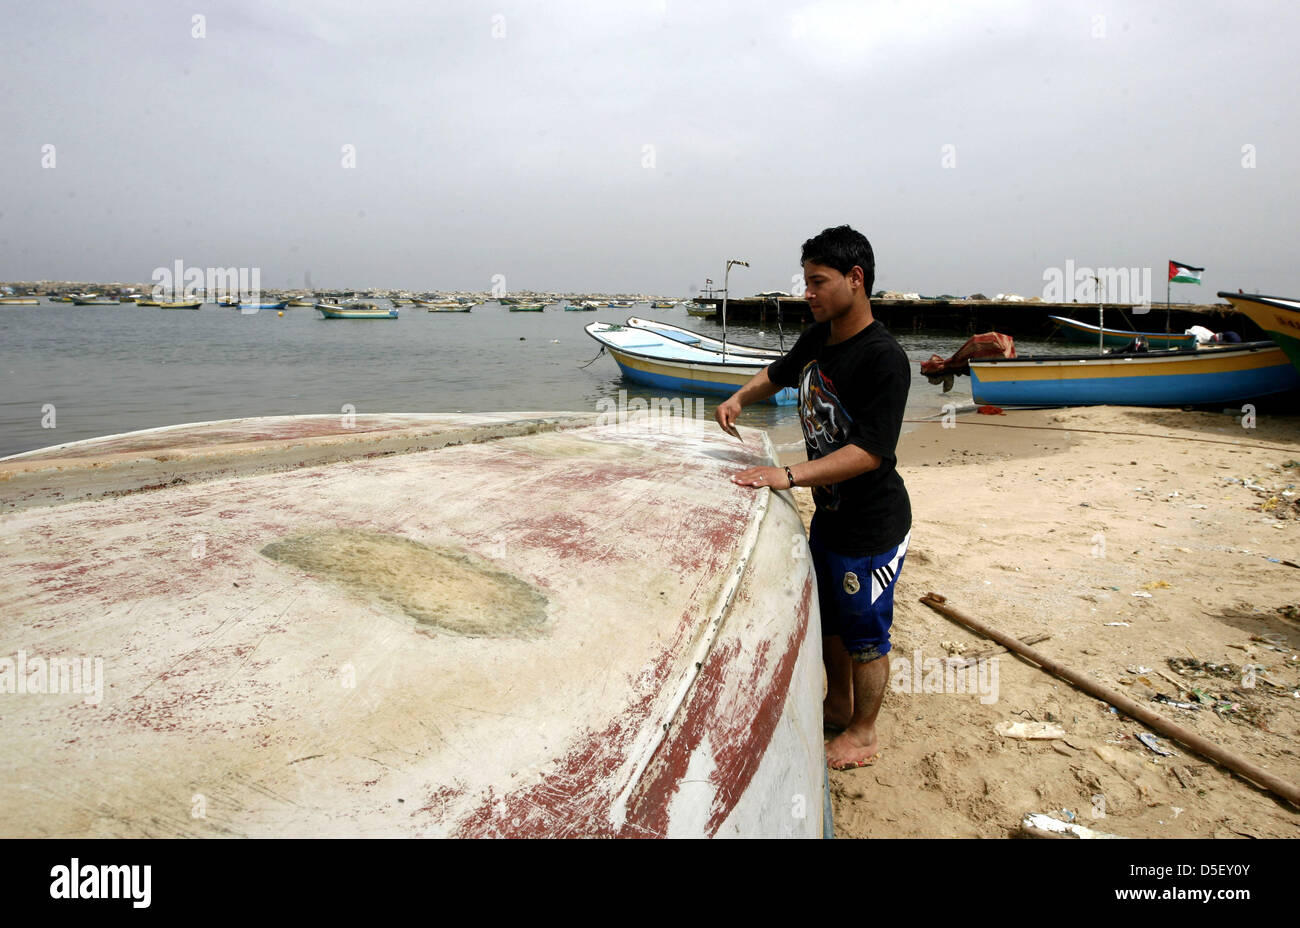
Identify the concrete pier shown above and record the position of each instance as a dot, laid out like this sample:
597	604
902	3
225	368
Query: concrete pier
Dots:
1026	319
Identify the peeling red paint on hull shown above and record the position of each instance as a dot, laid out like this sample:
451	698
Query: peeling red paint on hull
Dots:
336	691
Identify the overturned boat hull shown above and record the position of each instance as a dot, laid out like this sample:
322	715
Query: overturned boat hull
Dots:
542	624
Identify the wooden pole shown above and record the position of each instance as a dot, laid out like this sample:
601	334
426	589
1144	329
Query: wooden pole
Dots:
1166	306
1153	720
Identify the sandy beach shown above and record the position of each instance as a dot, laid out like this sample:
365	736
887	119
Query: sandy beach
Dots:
1133	538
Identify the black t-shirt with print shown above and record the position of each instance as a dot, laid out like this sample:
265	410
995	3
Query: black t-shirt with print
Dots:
853	392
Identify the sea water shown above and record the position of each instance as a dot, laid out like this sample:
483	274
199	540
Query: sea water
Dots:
73	372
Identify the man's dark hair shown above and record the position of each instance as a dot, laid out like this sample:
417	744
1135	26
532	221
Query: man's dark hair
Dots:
842	249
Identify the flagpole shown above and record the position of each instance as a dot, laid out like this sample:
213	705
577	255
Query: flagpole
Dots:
1166	306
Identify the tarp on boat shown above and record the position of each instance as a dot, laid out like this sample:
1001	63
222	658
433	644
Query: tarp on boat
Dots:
988	345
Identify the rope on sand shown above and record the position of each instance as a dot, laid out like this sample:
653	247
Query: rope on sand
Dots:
1053	428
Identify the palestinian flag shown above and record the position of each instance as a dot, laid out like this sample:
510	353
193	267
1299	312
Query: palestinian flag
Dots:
1184	273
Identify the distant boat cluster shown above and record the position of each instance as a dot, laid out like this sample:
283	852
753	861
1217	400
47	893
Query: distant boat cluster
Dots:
351	306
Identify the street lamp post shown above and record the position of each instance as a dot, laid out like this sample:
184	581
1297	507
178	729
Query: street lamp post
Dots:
725	290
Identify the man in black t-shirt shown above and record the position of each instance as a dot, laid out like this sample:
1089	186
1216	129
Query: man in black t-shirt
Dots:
853	379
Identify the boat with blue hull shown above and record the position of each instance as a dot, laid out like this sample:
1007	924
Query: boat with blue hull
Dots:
1084	334
700	340
1207	375
657	360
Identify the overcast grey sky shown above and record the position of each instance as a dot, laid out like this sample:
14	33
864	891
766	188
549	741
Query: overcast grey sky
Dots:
511	138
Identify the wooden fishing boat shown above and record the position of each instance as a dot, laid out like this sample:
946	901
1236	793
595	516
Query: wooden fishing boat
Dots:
451	307
657	360
663	304
304	301
181	304
250	308
19	301
95	301
1085	334
695	309
148	303
60	299
130	298
527	307
355	311
1278	316
620	304
579	628
581	306
1206	375
700	340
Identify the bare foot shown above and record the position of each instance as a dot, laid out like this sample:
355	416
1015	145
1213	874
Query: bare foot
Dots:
837	713
852	749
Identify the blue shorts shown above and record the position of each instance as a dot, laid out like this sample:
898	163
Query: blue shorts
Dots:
856	595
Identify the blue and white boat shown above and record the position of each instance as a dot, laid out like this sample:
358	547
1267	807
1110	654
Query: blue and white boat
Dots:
249	309
666	361
1207	375
700	340
1086	334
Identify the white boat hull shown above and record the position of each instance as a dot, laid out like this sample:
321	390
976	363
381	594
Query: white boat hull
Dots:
515	624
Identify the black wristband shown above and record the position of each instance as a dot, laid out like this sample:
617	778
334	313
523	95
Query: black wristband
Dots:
789	473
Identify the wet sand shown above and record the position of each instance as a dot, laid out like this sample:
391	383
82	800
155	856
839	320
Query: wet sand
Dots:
1049	522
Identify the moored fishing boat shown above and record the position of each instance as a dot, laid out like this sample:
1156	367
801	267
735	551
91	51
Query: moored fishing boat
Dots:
1278	316
95	301
527	307
306	301
700	340
285	625
1084	334
581	306
144	302
1206	375
695	309
19	301
355	311
181	304
250	308
657	360
451	307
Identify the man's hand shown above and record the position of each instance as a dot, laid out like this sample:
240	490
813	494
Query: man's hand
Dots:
773	477
726	414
